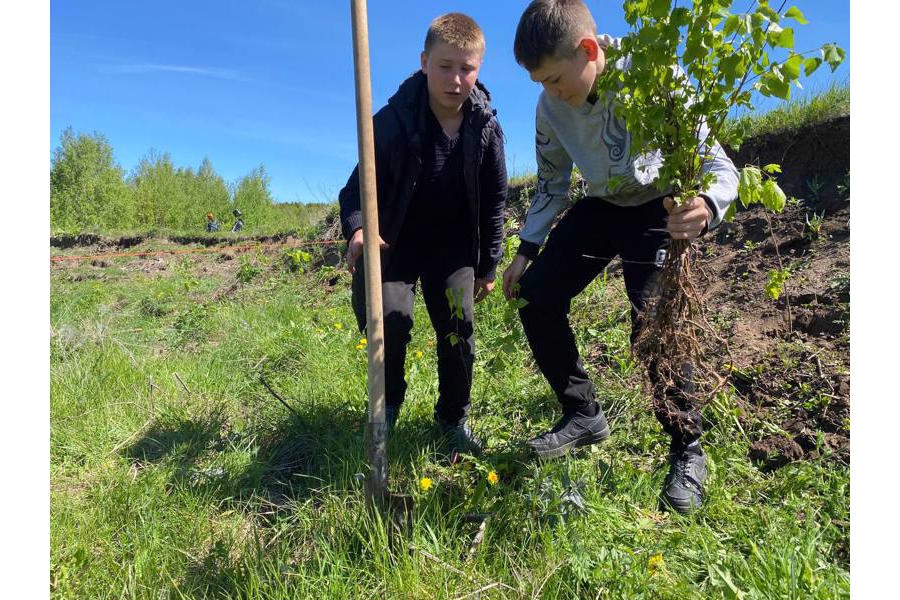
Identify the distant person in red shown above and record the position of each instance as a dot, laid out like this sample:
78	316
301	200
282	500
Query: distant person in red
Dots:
211	223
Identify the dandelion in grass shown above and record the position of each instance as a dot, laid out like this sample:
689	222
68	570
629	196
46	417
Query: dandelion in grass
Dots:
338	326
362	344
493	478
419	354
655	563
425	484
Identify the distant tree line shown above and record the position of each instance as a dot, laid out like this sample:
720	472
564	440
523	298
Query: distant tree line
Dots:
89	191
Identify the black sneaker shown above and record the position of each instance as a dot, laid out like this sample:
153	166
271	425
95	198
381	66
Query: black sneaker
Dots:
460	436
683	489
572	431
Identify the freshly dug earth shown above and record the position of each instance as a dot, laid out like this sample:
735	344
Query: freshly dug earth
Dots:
791	357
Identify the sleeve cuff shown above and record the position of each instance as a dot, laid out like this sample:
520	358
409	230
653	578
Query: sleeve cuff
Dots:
711	207
490	275
528	249
352	223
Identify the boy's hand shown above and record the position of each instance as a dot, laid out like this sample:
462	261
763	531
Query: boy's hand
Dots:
512	274
483	287
687	221
355	249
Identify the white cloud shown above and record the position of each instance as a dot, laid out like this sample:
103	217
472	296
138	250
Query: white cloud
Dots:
138	68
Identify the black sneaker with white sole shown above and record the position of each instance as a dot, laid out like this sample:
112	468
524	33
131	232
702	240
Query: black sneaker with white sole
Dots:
572	431
683	488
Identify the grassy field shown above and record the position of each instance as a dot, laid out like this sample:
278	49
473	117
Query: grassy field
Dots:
175	474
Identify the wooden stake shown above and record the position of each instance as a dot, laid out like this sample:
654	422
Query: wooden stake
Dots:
376	429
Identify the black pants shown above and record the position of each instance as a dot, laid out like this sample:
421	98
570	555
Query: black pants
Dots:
578	249
404	268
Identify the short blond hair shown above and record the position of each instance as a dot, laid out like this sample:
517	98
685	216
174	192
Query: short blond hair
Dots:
457	30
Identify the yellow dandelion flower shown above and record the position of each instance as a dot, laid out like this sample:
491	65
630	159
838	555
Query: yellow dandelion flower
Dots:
338	325
493	478
363	342
655	563
419	354
360	346
425	483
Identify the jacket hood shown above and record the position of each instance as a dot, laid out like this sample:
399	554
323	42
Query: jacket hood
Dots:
411	97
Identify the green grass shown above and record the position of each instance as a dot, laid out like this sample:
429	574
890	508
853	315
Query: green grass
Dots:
808	109
214	489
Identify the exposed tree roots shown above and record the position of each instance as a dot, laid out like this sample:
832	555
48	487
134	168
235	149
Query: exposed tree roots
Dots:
671	342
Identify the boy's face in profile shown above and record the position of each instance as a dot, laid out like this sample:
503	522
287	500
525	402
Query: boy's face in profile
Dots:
451	74
572	79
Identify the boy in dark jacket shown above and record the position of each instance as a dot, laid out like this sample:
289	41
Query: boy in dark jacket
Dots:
441	184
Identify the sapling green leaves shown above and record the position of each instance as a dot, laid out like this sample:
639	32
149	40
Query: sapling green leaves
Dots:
688	68
772	197
794	13
775	282
675	79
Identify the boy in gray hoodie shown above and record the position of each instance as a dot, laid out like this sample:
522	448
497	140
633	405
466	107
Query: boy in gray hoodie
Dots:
623	214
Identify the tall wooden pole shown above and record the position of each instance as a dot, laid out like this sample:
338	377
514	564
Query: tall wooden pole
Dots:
376	429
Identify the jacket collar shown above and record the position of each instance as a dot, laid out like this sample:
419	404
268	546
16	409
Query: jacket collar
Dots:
410	103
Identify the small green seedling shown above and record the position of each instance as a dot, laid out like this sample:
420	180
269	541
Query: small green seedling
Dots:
814	226
815	186
776	281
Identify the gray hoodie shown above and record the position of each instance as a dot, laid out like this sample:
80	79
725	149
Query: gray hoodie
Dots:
595	140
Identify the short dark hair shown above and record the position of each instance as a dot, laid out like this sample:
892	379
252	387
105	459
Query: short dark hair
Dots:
551	28
457	30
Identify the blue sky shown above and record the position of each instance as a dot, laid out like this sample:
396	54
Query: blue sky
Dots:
271	81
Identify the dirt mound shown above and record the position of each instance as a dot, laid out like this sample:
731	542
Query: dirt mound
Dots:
90	239
105	243
790	358
814	159
208	240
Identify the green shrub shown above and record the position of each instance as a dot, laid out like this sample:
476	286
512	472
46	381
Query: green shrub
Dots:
86	186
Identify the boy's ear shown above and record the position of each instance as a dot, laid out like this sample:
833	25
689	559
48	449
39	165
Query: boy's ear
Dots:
424	59
590	47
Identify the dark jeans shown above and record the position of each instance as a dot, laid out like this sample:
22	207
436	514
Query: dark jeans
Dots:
578	249
455	361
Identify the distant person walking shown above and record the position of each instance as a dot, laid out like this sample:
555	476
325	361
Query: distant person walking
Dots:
238	222
211	223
